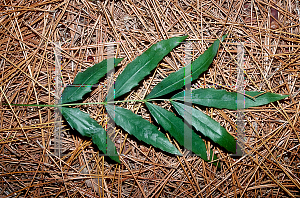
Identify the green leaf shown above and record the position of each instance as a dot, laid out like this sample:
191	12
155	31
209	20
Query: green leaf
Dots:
84	81
177	79
222	99
207	126
89	127
141	128
140	67
175	126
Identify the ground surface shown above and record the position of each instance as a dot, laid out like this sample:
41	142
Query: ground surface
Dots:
267	32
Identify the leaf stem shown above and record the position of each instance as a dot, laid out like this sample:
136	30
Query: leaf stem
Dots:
88	103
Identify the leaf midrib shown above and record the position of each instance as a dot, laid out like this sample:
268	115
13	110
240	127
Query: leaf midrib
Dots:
179	98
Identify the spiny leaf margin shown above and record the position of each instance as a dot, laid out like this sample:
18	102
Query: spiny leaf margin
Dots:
140	67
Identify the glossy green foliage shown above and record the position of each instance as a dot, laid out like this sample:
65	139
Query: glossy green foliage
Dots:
206	126
177	79
89	127
140	67
140	128
175	126
84	81
222	99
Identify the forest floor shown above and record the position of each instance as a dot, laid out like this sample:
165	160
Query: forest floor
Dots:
263	40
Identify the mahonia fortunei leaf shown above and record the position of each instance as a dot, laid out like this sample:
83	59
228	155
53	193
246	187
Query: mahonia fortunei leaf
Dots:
142	129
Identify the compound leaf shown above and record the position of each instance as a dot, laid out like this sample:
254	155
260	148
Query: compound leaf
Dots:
141	128
222	99
84	81
206	125
140	67
177	79
89	127
176	127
